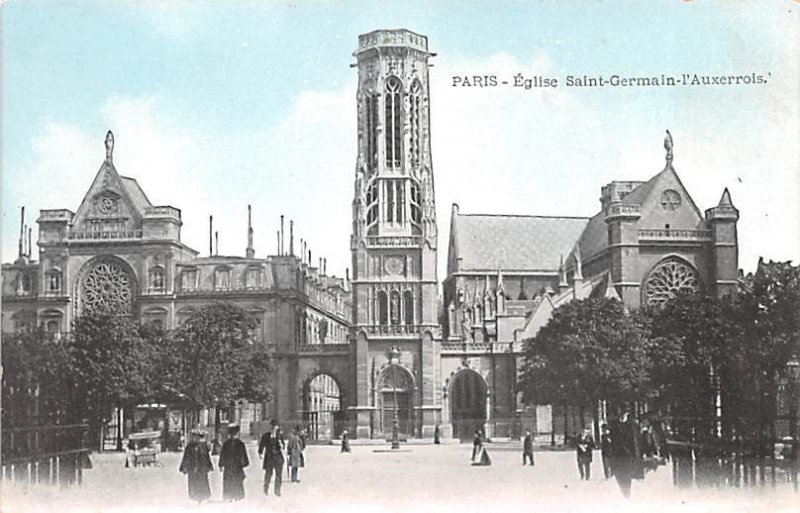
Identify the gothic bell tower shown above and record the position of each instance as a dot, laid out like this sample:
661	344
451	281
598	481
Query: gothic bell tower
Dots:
394	238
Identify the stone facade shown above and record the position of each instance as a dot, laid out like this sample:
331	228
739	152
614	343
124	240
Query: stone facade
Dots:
394	241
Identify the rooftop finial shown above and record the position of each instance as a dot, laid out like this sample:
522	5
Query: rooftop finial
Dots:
109	146
668	147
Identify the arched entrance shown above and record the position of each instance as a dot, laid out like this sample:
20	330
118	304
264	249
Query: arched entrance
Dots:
467	404
322	407
395	398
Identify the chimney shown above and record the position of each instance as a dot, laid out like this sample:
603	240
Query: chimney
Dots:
30	233
21	232
250	251
210	235
280	250
278	237
291	238
216	243
325	266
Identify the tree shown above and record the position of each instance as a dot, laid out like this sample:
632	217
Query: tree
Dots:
106	367
767	313
34	377
590	350
214	359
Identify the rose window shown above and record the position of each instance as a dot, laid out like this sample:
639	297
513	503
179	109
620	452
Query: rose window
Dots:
106	287
668	279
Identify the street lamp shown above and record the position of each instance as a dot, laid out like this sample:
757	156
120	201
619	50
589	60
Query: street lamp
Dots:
395	426
793	368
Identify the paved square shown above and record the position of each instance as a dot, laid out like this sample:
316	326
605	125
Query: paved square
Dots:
420	478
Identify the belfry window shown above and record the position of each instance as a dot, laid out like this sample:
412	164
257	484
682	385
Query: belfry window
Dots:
372	207
383	309
408	307
53	281
394	308
393	122
414	122
372	132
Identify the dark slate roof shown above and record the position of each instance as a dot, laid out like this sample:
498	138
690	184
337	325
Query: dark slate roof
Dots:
136	193
536	243
594	238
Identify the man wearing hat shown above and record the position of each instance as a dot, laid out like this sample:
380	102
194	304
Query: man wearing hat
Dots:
196	464
232	461
271	446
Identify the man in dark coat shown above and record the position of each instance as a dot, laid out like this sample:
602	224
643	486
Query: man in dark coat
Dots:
232	461
606	450
345	441
271	446
196	464
626	455
527	448
583	448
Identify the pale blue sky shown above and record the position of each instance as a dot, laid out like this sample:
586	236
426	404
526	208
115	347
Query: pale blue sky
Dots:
218	105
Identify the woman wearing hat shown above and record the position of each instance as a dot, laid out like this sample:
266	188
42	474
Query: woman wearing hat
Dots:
196	464
232	461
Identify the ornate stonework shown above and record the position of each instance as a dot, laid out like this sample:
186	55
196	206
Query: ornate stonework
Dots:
669	278
106	286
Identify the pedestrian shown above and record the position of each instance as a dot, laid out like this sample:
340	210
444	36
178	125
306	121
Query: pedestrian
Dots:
480	457
583	448
626	456
196	464
436	435
271	446
527	448
294	453
232	462
345	441
606	450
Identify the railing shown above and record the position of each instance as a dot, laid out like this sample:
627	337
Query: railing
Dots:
45	454
391	241
619	209
393	37
165	211
670	234
393	330
128	234
468	347
323	348
55	215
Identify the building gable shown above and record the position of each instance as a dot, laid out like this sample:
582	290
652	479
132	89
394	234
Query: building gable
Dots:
112	203
668	205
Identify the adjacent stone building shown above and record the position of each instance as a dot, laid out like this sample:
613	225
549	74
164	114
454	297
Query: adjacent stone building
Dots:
118	249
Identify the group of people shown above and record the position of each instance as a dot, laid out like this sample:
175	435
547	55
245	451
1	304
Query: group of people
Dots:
627	451
233	459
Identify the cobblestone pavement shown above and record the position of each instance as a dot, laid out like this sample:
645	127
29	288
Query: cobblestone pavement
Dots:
374	479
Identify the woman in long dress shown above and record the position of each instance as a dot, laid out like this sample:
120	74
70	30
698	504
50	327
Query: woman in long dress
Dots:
294	451
232	461
196	464
480	457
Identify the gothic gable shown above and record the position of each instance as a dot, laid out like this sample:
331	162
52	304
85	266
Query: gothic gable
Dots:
667	204
112	203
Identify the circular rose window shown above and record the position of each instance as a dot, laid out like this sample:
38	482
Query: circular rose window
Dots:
106	287
668	279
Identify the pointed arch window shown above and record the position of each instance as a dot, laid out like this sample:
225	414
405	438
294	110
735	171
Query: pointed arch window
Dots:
372	131
408	307
415	103
383	309
393	122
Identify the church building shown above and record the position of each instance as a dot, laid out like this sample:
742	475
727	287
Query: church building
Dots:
388	351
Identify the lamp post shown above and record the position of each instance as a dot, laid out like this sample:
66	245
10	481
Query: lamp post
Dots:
395	424
793	368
